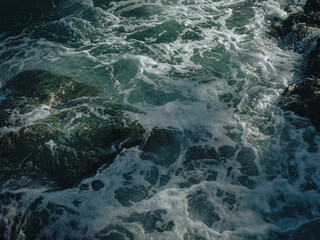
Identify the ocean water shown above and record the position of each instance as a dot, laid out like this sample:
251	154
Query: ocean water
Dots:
235	166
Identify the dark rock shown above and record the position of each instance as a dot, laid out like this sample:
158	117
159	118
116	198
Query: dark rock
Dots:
84	186
246	158
309	17
191	181
246	182
69	144
70	154
197	152
151	221
164	179
230	200
152	175
31	90
44	87
162	146
66	149
197	156
227	151
97	185
198	165
114	232
126	196
313	62
312	6
200	208
304	100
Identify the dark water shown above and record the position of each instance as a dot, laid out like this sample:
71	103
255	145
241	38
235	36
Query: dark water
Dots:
234	165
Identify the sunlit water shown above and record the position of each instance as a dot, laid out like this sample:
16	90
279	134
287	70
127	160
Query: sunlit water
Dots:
208	71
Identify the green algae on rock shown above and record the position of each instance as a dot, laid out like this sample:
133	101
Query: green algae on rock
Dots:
35	92
66	147
47	88
68	144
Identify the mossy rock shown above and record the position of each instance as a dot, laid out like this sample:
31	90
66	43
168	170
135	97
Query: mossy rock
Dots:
44	87
64	148
72	142
38	89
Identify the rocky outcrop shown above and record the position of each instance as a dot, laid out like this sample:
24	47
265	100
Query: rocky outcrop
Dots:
72	142
309	17
313	62
31	90
304	98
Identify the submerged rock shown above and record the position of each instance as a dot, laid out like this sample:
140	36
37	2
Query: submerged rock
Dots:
201	208
246	158
162	146
38	90
70	143
44	87
308	230
151	221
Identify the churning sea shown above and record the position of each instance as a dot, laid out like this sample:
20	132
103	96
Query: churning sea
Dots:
211	71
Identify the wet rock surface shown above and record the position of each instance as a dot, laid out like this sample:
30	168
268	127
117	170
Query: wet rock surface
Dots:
200	208
32	219
72	142
151	221
162	146
32	91
126	196
304	98
115	232
309	17
313	62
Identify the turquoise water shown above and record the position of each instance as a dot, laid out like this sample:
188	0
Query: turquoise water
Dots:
236	166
